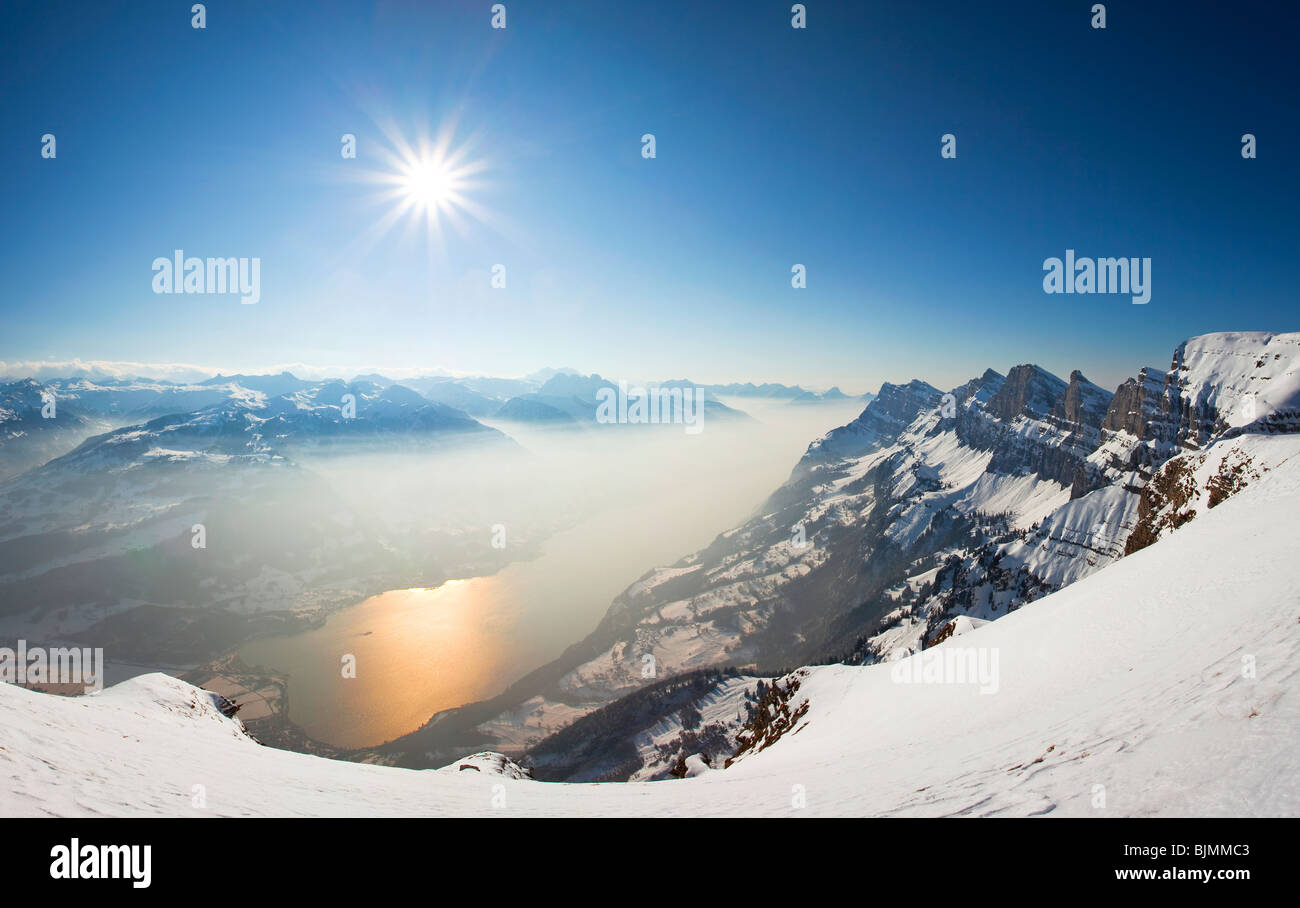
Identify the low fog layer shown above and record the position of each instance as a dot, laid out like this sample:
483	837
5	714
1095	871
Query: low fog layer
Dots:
623	499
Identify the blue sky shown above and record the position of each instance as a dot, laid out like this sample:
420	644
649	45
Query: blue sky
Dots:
775	146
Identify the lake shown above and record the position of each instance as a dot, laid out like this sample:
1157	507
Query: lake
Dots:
419	651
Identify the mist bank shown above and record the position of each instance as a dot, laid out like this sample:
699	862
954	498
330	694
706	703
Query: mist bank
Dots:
631	497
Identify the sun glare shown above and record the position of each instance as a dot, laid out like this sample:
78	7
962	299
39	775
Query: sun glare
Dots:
429	183
426	184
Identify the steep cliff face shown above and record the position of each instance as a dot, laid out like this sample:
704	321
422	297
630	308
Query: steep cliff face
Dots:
932	506
1035	423
1228	381
1217	386
1188	485
1083	404
1028	391
1136	407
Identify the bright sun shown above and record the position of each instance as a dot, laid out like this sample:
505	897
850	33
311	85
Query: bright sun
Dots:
429	183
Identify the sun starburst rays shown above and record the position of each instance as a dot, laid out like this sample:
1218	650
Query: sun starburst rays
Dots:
427	185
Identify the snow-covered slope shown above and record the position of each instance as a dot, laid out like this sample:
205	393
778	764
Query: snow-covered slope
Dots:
1167	684
1246	377
931	505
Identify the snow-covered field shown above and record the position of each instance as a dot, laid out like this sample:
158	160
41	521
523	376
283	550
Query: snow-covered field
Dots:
1167	683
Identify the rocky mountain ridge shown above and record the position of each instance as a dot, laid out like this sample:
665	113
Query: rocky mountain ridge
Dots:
929	506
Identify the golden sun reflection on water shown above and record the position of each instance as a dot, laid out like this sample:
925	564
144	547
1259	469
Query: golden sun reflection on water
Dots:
421	651
417	651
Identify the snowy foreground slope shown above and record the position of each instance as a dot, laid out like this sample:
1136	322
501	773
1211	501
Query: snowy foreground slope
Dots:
1130	679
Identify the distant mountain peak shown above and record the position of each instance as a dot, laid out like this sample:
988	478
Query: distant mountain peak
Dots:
542	376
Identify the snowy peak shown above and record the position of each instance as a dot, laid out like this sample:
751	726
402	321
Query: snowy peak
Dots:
401	396
1083	402
881	422
979	390
573	385
37	423
1234	380
1032	392
20	397
21	403
1218	385
272	385
1029	390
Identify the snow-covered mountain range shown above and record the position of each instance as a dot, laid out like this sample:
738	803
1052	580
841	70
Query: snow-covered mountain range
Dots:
928	507
1165	685
32	431
1117	561
180	536
84	407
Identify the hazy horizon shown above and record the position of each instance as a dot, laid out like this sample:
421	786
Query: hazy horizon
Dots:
182	373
